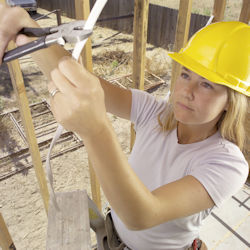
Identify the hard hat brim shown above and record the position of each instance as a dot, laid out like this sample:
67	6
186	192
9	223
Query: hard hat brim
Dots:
199	69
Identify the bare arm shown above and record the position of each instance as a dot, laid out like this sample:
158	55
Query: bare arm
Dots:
82	102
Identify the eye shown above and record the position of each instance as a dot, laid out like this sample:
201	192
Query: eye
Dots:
207	85
184	75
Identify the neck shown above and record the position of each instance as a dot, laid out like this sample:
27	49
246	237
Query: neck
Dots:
188	134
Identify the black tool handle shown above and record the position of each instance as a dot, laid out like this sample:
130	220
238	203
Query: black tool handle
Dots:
35	32
25	49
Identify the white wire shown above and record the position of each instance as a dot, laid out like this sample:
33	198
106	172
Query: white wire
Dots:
90	23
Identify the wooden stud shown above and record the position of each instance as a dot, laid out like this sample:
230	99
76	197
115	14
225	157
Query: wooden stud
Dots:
139	48
19	88
82	9
140	40
6	243
181	35
245	12
219	10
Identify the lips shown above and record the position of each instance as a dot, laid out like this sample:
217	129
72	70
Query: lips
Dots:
184	106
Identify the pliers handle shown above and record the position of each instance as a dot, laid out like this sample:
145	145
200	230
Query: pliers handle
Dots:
66	33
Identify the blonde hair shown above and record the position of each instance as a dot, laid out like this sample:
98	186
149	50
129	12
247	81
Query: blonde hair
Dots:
231	124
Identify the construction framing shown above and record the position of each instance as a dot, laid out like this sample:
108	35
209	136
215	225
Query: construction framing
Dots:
140	36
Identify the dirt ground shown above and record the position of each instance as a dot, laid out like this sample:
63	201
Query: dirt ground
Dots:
20	201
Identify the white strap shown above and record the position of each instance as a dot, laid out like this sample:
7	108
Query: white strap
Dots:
90	23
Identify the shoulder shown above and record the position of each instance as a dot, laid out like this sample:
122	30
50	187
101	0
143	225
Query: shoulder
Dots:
145	107
221	167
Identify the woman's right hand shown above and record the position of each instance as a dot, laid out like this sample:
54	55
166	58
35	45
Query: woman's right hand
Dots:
12	20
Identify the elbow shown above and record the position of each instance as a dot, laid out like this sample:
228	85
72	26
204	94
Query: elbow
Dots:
139	223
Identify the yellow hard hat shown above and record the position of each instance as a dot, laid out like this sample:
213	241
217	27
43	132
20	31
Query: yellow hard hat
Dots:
220	52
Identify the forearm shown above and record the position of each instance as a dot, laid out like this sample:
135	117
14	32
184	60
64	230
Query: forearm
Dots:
118	101
128	196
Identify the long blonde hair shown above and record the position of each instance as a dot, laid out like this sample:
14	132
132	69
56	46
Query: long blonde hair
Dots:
233	124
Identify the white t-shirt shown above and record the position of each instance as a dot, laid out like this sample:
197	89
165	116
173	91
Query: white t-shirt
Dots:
157	158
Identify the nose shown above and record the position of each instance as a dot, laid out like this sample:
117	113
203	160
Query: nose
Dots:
189	90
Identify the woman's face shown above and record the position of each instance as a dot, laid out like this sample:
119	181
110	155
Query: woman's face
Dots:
197	101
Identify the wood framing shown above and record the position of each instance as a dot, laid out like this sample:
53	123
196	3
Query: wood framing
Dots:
139	48
245	12
181	35
6	243
140	40
19	88
82	8
219	10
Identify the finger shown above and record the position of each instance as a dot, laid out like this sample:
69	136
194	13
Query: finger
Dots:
61	82
22	39
58	106
74	71
51	87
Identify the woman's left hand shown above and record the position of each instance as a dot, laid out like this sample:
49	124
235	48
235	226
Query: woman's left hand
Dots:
79	104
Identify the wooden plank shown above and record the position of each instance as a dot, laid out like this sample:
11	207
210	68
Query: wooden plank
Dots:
245	12
219	10
6	243
140	27
82	9
68	227
19	88
181	35
140	39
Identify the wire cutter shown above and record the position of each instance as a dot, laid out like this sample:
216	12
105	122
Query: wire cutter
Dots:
72	32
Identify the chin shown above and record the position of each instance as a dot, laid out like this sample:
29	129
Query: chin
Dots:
184	118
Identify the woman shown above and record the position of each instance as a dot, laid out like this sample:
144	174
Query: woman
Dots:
186	158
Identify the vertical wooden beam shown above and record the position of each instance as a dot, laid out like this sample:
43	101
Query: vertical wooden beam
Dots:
219	10
140	40
245	12
140	27
82	9
6	242
181	35
19	88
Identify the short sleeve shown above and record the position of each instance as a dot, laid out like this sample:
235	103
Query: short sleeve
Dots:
222	173
144	108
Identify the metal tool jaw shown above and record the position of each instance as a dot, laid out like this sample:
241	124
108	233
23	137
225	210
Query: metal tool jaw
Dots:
72	32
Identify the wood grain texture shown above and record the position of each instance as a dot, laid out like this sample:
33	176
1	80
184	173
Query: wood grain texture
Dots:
20	92
245	12
69	228
6	242
219	10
